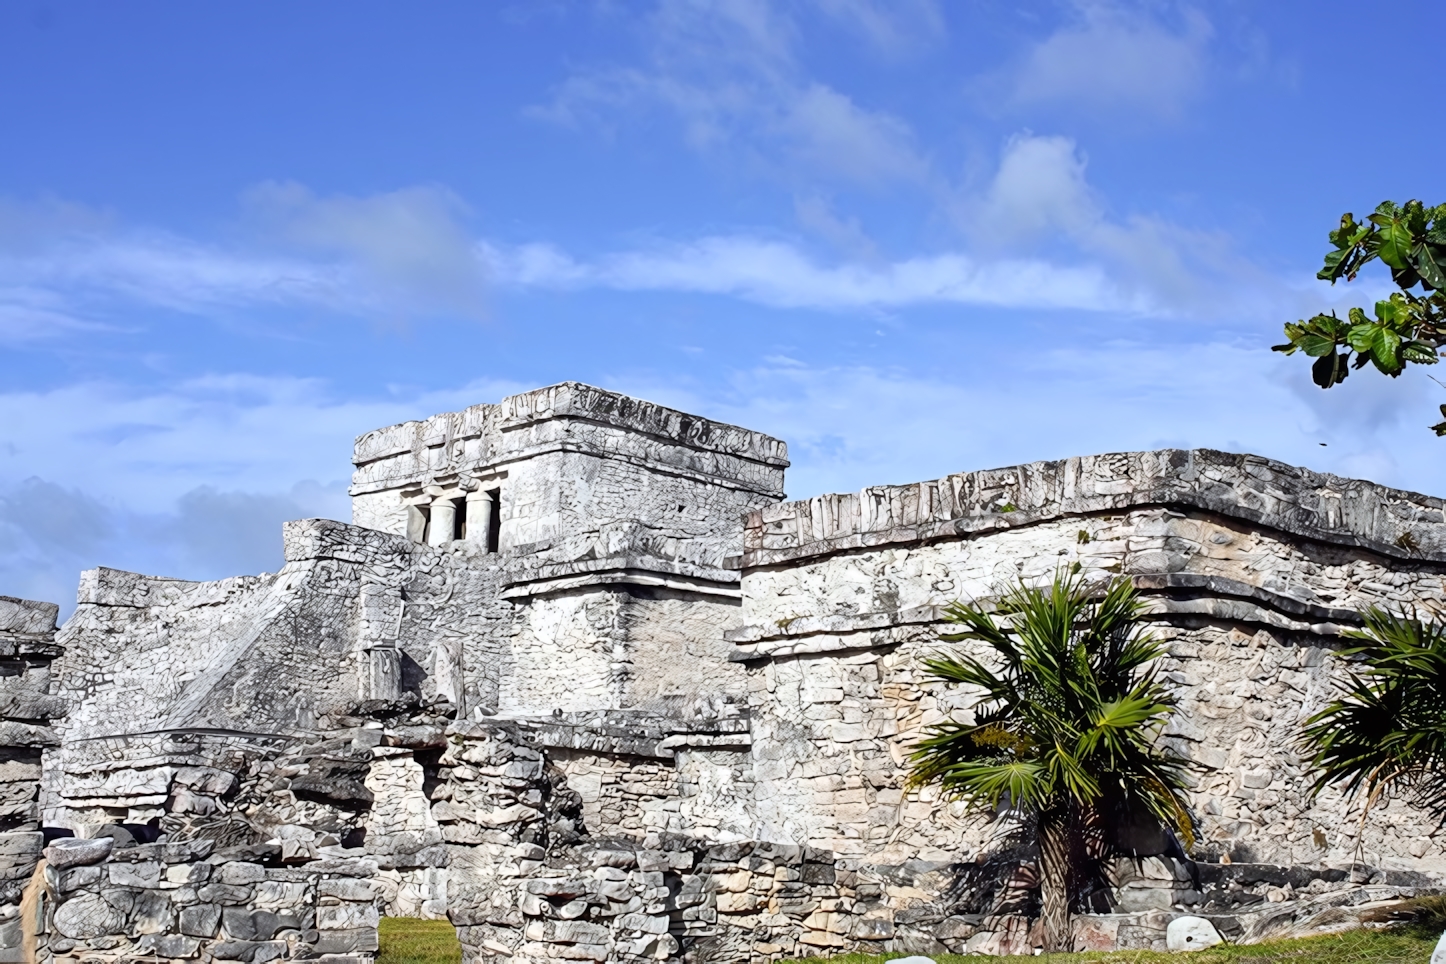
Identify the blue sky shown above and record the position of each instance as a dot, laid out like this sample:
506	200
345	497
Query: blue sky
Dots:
908	237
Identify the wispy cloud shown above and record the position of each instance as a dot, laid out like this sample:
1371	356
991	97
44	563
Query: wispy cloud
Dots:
729	73
411	244
781	274
1116	58
402	254
232	431
896	28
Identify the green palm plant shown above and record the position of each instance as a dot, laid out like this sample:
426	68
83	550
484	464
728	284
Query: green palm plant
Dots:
1388	731
1066	734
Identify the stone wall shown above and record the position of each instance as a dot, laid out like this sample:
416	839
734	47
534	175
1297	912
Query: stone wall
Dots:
27	708
1252	614
178	901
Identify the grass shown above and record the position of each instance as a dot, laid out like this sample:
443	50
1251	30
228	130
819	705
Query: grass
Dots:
1396	945
409	940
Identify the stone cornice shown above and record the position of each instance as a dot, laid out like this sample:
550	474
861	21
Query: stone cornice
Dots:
1326	508
530	423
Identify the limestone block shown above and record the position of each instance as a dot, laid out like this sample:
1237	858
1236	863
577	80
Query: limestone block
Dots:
729	903
75	851
240	872
207	780
1438	956
200	920
345	916
142	875
21	843
567	932
241	924
151	912
74	878
282	894
348	889
188	873
351	940
172	946
644	923
872	929
87	916
229	894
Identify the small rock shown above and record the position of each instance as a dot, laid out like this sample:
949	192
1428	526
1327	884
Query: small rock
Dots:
65	852
1438	956
916	959
1191	934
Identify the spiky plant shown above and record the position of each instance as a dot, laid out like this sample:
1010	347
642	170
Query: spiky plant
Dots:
1388	731
1066	733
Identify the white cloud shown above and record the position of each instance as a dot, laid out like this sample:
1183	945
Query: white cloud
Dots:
826	130
1040	199
1117	58
778	273
396	255
729	73
1039	190
410	242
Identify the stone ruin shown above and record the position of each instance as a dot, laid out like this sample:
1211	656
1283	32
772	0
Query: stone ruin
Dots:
577	679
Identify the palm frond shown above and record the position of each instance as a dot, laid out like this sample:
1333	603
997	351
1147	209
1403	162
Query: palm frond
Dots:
1388	728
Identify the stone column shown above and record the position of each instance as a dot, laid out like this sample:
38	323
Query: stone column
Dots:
416	523
479	517
444	522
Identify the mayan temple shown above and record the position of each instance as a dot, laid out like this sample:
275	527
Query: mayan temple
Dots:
577	678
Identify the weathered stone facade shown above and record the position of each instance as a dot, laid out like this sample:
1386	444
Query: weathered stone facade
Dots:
577	679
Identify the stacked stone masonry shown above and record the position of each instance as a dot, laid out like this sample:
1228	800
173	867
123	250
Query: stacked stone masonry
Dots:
577	680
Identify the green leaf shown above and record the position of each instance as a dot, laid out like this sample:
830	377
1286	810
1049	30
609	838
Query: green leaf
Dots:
1362	336
1315	345
1341	236
1385	348
1333	266
1430	263
1418	353
1396	243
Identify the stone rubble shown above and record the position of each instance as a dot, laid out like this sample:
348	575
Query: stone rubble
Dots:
578	681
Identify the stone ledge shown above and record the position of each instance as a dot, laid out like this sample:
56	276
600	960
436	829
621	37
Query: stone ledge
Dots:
636	733
1326	508
625	570
1212	596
